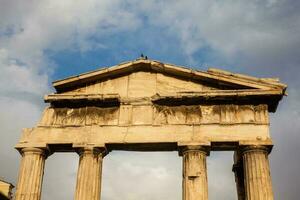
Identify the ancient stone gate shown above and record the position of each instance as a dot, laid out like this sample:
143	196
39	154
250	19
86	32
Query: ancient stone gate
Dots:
146	105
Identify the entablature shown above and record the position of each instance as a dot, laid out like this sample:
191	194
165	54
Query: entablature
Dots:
142	113
146	137
243	96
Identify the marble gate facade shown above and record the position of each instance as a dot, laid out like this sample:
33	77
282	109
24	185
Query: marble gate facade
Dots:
147	105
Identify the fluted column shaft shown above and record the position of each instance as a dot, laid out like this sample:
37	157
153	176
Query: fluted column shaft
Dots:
194	173
258	184
238	170
31	173
89	174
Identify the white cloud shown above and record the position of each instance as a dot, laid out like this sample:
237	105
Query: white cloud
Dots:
255	29
149	176
257	33
67	24
27	30
60	176
221	183
15	115
16	77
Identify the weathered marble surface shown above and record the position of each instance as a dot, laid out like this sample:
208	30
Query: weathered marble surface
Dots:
31	174
147	105
155	115
89	174
195	185
133	85
257	177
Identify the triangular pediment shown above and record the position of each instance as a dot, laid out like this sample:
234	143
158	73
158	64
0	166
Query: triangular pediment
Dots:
216	78
144	78
144	83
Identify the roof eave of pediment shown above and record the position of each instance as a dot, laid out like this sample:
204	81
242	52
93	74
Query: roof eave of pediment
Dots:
243	96
212	75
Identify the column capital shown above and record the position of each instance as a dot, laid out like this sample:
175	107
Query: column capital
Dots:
92	150
255	148
34	150
193	148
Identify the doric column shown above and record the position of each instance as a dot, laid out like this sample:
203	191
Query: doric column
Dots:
258	184
89	173
31	173
194	173
238	170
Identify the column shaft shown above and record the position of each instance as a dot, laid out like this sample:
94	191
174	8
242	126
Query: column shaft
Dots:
238	170
194	174
31	173
89	174
258	184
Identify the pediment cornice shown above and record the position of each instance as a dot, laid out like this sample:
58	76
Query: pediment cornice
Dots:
215	76
221	86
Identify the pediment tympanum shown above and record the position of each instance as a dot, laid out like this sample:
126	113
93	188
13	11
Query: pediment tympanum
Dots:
159	82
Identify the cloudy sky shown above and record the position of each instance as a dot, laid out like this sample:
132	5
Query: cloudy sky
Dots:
41	41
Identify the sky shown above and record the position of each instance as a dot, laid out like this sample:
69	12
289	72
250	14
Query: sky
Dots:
42	41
